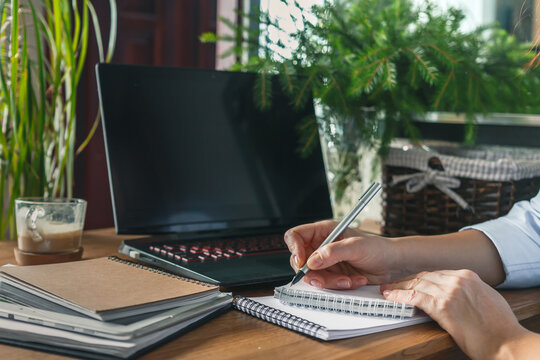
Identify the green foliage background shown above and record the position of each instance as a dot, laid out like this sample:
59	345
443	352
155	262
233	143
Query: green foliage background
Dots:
390	58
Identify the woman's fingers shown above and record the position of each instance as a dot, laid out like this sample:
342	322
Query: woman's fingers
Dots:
293	260
424	290
301	237
334	253
420	281
433	292
334	280
416	298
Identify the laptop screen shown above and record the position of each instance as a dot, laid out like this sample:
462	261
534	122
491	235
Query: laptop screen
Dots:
189	151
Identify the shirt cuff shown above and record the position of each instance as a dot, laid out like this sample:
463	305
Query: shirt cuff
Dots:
519	258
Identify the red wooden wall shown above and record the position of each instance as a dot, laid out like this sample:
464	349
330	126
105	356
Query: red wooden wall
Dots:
150	32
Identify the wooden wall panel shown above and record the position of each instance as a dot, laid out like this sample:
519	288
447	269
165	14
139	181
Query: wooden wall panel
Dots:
150	32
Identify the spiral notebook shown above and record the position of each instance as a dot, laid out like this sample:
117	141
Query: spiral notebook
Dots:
328	314
366	300
104	288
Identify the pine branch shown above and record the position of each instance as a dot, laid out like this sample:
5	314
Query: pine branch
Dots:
263	89
441	93
335	84
429	71
286	80
302	94
437	49
390	74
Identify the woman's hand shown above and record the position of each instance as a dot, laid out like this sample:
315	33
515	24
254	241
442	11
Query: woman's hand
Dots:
476	316
353	260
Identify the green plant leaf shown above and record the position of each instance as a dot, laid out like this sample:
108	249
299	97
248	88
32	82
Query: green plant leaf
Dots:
208	37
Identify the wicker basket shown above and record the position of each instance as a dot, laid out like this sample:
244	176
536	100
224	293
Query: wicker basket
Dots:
442	189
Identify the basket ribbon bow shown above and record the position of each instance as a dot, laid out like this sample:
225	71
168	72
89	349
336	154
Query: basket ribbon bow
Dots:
417	181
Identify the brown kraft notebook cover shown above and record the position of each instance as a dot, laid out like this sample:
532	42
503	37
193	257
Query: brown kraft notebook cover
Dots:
106	284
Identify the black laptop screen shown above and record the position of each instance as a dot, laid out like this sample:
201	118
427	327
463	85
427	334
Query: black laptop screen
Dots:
188	151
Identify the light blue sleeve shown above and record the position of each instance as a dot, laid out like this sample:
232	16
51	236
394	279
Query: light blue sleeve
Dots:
517	239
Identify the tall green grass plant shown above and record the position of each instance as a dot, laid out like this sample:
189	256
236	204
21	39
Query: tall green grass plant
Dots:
43	48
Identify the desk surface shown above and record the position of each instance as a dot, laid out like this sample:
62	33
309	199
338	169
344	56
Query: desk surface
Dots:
235	335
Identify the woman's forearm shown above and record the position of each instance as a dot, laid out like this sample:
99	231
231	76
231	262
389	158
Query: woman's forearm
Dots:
526	345
469	249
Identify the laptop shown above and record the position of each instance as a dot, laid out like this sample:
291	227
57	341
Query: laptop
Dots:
216	181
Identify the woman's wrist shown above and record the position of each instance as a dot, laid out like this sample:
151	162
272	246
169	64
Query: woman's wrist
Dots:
469	249
419	253
402	259
521	344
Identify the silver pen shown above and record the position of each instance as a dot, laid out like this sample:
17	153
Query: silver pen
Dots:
343	224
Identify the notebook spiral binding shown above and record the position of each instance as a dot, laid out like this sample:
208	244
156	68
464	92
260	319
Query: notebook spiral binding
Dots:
158	271
276	316
343	304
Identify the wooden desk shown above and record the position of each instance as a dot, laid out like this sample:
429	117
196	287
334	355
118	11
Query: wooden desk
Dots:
235	335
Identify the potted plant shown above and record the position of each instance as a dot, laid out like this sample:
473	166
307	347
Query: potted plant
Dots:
376	65
43	46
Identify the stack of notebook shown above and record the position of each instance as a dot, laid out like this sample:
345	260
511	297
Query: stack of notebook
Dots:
331	314
106	307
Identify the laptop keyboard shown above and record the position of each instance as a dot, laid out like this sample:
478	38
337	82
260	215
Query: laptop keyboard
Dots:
220	249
